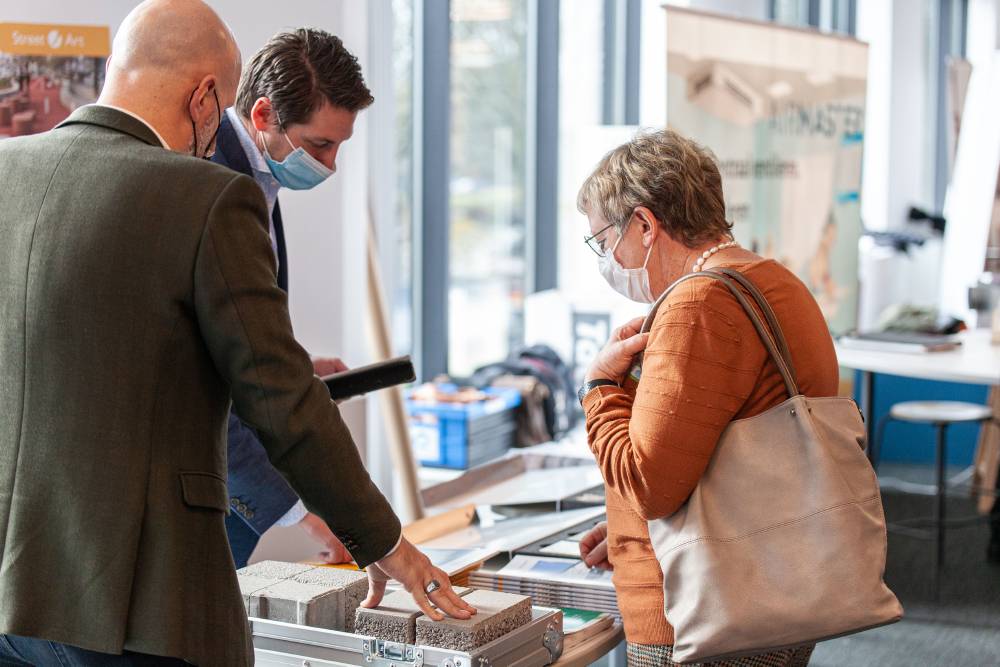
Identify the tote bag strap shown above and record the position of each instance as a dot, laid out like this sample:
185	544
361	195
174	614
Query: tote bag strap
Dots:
780	356
765	307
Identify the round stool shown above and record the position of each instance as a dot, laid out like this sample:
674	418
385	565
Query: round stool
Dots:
941	415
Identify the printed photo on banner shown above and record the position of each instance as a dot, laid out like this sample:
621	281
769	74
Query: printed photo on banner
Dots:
783	109
47	71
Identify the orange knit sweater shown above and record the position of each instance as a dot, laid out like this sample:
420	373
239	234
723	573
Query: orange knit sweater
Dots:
704	366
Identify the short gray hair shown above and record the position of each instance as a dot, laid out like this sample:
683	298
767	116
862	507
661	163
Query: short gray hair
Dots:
674	177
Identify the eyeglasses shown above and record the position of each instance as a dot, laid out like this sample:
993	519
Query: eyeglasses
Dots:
594	244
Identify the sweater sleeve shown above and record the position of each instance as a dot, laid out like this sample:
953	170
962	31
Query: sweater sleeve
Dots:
701	363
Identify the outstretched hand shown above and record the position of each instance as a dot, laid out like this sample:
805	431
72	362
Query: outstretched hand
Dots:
334	551
415	571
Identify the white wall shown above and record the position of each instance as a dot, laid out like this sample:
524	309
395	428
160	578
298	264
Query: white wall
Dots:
983	30
324	233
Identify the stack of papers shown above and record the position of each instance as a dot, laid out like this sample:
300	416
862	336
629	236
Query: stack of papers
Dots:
553	582
890	341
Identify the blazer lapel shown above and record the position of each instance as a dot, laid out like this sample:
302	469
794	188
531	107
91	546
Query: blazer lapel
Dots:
228	149
279	238
229	152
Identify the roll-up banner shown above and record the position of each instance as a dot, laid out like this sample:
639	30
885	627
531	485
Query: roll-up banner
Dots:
783	109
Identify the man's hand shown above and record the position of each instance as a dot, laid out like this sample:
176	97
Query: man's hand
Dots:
323	366
594	547
415	571
615	360
333	551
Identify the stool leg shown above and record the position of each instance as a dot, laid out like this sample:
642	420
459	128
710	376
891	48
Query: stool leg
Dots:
940	510
875	446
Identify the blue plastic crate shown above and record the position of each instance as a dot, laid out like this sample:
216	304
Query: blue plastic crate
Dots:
444	434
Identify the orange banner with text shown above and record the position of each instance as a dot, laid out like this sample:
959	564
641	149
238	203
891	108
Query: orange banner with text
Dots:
42	39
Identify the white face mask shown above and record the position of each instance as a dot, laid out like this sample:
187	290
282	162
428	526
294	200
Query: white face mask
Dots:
631	283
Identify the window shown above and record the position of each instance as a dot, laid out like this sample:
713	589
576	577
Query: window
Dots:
487	203
946	69
827	15
477	131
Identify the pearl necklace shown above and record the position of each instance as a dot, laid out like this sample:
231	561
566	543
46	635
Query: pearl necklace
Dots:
711	251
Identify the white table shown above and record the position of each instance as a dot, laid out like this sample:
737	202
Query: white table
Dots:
975	362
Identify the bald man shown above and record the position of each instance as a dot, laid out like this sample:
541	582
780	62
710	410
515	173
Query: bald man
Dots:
138	296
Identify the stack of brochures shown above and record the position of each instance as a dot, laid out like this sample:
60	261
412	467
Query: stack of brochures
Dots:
553	582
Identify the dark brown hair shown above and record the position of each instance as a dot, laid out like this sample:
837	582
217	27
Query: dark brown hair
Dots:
674	177
297	70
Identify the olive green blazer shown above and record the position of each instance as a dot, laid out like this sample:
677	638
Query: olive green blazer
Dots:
138	296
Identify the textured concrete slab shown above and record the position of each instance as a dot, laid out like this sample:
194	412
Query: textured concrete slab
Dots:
395	619
306	604
306	594
499	614
274	569
351	587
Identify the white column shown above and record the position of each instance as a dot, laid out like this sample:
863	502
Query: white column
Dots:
897	167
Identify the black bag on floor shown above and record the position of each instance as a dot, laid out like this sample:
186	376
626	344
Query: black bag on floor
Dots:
543	363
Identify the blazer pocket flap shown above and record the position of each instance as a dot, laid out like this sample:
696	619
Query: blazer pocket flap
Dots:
204	489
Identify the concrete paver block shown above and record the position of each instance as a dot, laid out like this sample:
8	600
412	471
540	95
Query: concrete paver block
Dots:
306	604
351	587
304	594
249	585
275	569
499	614
395	618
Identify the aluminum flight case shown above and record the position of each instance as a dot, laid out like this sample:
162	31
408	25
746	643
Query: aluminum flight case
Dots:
278	644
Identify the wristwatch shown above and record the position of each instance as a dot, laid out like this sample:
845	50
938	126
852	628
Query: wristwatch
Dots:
593	384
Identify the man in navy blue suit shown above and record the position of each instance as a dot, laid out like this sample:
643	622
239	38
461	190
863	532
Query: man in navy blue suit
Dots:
297	102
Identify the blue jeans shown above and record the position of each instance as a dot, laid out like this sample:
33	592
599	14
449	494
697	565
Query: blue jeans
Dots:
21	651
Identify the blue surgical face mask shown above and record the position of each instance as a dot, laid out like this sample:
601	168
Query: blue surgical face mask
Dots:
298	171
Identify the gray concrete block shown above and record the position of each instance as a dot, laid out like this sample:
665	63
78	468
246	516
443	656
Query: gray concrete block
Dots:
351	588
249	586
499	614
305	594
395	618
306	604
274	569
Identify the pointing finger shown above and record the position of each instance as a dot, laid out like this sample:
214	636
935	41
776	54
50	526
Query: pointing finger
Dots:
425	605
450	604
376	591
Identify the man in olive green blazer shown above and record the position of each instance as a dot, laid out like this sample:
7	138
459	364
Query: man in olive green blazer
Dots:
137	295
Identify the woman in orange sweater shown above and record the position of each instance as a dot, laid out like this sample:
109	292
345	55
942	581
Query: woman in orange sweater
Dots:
656	213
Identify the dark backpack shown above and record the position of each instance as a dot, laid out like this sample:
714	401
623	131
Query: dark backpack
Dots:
542	362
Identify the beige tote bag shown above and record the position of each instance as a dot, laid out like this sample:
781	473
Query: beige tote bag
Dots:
783	541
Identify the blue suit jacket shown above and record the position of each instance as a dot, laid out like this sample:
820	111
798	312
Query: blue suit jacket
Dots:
258	494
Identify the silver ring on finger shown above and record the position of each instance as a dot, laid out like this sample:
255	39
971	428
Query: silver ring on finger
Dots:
433	586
